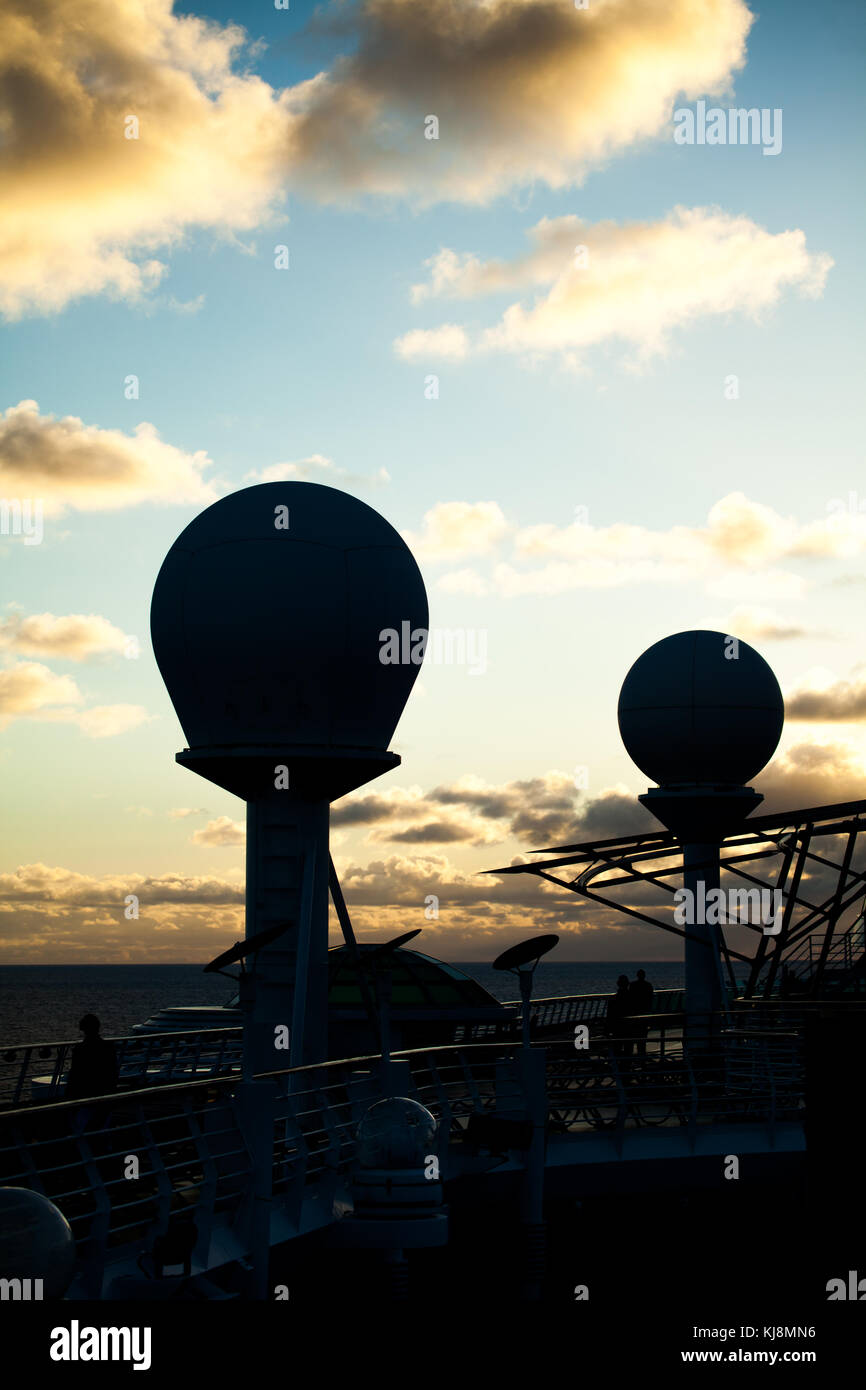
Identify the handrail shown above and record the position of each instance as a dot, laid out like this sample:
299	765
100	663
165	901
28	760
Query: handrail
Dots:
122	1037
199	1137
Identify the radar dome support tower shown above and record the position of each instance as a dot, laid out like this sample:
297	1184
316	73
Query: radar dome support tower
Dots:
267	623
701	713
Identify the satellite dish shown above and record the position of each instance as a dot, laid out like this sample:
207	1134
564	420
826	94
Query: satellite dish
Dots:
524	952
245	948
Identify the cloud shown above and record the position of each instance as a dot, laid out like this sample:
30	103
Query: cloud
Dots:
65	463
812	773
29	690
107	721
629	284
525	91
537	811
181	812
73	637
452	529
409	816
736	551
449	341
465	581
220	833
820	698
318	469
432	833
761	624
85	207
53	914
29	686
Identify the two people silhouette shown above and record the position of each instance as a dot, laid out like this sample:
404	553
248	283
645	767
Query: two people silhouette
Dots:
633	997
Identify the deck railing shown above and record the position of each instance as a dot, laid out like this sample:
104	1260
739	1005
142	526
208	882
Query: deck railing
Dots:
137	1168
38	1071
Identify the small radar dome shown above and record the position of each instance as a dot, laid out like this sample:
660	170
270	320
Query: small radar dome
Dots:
267	617
36	1241
395	1133
700	707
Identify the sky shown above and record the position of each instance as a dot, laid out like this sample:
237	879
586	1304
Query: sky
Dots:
450	258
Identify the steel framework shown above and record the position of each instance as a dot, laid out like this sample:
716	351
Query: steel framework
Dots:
815	939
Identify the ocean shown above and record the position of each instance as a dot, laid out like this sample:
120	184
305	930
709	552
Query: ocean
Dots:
43	1003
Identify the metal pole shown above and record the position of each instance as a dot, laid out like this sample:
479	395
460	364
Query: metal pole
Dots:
284	881
302	966
702	951
349	938
526	997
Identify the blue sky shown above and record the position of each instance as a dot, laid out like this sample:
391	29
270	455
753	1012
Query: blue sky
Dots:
259	367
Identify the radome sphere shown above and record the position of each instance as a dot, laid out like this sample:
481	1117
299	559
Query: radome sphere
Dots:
698	707
395	1133
266	621
36	1241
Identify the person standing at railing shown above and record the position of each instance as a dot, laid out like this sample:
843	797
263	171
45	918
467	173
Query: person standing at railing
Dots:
93	1070
640	998
618	1009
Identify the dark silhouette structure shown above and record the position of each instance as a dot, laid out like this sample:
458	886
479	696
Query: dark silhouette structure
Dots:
93	1070
640	997
289	621
619	1006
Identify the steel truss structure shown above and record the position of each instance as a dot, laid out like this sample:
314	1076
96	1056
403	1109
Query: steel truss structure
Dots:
815	940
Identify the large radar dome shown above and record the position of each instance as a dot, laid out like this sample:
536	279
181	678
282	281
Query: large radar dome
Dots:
266	621
700	707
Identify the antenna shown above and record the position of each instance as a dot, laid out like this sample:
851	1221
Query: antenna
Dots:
249	947
277	621
522	960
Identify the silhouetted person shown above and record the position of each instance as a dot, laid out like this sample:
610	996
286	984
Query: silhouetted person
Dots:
93	1069
618	1010
640	994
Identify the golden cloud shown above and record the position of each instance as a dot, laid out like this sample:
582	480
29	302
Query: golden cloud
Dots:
125	125
828	701
522	91
317	469
631	283
73	637
85	206
65	463
452	529
735	550
29	690
221	833
29	686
